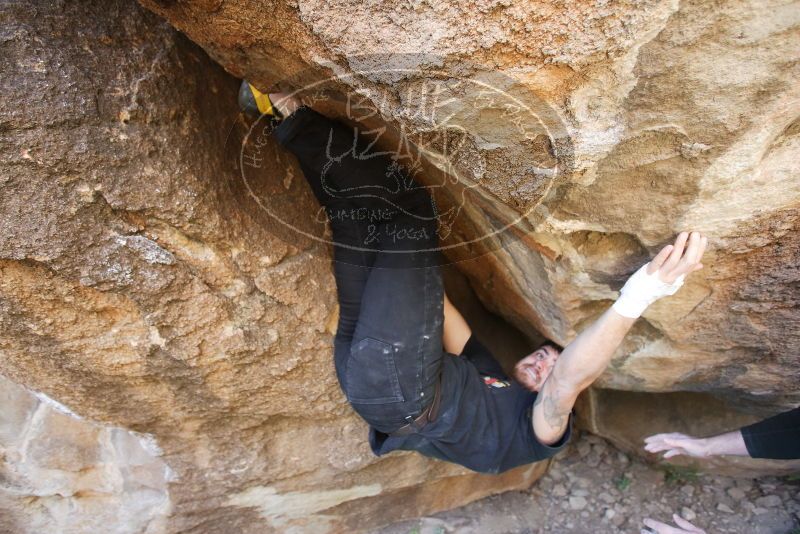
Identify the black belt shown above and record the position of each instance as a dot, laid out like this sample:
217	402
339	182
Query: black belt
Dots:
428	415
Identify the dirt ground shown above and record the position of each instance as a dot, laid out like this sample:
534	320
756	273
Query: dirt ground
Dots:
594	488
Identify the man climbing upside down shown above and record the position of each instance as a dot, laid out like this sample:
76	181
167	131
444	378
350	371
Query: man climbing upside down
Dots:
405	358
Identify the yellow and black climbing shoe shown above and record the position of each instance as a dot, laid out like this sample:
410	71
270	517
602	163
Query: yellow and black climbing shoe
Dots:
255	103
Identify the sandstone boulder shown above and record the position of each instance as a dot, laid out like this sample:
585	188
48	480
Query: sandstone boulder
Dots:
147	293
181	309
656	116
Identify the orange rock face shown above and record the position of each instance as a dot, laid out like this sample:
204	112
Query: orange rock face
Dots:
173	290
652	118
175	347
586	136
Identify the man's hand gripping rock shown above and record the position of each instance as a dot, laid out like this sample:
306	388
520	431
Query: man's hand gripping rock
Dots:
662	276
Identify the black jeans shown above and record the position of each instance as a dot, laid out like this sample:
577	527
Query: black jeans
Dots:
388	346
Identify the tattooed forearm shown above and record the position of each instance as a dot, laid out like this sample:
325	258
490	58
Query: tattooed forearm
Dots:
554	415
552	408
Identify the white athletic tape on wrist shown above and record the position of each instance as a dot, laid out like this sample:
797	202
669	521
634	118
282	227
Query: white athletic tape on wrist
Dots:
641	290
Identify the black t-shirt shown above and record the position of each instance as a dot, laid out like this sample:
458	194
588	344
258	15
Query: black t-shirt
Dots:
777	437
484	420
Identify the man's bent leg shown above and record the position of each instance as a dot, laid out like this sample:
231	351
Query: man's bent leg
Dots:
389	368
396	354
351	269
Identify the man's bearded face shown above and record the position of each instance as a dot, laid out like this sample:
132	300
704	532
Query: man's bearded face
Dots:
532	370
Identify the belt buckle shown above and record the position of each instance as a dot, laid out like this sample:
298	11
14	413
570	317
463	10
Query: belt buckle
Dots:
413	423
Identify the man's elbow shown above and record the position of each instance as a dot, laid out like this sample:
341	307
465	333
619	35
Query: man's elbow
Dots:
549	437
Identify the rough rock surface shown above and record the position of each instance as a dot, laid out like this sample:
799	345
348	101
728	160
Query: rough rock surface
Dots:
663	115
658	116
62	473
143	286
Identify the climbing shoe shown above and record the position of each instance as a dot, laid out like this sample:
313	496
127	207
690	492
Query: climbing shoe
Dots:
255	103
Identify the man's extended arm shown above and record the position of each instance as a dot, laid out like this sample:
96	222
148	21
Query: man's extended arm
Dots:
587	356
581	362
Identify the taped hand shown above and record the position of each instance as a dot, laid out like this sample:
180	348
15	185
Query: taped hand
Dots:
662	276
